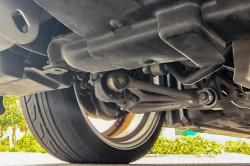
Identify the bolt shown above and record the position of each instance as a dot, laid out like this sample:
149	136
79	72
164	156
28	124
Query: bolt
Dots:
203	96
121	79
25	29
149	62
117	23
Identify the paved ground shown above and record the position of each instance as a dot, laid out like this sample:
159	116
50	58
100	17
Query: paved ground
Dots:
46	159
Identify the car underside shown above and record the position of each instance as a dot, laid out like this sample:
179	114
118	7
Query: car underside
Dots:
177	63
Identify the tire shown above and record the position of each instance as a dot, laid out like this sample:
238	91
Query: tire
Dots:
57	123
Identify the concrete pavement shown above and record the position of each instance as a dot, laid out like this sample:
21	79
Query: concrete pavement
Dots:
176	160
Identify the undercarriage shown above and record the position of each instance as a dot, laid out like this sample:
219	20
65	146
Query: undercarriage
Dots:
188	60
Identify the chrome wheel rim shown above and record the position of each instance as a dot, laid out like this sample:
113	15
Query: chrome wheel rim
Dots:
134	135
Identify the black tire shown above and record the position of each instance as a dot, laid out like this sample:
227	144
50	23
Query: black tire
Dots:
55	120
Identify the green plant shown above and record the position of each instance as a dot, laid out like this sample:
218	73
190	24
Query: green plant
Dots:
4	145
237	147
26	144
13	117
186	145
29	144
15	149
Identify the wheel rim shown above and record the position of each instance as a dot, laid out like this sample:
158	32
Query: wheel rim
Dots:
119	126
134	130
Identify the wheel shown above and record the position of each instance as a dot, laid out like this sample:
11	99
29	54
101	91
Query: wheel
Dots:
59	123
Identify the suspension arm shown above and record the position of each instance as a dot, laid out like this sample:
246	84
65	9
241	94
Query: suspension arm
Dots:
154	98
190	97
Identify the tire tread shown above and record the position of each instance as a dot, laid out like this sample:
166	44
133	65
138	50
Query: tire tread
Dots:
51	122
